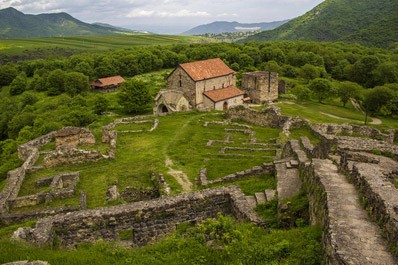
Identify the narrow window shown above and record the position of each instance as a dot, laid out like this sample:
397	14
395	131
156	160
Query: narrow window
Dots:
269	82
180	83
222	85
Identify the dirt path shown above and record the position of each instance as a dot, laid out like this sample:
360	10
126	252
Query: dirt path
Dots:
335	117
180	176
375	121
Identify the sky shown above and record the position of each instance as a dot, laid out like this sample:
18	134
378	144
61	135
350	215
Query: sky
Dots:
167	16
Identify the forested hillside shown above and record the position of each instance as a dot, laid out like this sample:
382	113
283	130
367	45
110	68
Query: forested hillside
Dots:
40	96
15	24
371	23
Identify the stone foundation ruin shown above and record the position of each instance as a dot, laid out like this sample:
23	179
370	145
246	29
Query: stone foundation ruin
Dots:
147	221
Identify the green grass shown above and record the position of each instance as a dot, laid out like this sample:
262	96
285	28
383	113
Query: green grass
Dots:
304	131
134	127
89	43
250	186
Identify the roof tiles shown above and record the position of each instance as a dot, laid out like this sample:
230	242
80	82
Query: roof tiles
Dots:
206	69
108	81
223	93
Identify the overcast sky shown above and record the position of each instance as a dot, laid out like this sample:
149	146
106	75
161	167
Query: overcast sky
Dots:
167	16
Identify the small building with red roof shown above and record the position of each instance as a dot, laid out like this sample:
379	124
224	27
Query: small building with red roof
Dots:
208	84
107	84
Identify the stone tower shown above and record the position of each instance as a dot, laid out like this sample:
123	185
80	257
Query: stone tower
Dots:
261	87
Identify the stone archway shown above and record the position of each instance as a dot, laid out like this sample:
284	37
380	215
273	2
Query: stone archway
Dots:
163	109
225	106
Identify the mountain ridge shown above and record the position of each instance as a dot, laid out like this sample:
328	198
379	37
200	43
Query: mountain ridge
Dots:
361	21
16	24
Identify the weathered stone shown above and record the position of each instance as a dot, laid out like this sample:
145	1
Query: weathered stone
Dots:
289	182
71	155
349	236
269	194
260	197
73	136
25	262
112	193
91	225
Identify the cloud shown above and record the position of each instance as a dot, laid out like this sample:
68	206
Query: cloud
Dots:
139	13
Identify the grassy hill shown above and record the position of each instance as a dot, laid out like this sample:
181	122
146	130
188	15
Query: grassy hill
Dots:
373	23
15	24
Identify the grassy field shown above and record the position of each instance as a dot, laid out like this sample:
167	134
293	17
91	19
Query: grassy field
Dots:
180	137
91	43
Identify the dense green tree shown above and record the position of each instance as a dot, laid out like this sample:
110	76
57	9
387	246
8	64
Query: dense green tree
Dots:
376	98
271	66
347	90
321	88
362	70
18	122
303	93
386	72
8	73
290	71
55	82
134	96
101	104
28	98
18	85
38	83
309	72
75	83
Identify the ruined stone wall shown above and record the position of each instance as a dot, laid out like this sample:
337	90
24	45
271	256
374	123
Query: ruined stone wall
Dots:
260	87
70	155
380	195
25	150
187	85
15	178
147	220
269	117
74	136
264	169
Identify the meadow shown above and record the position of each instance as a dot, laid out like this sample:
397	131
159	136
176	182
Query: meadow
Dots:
79	44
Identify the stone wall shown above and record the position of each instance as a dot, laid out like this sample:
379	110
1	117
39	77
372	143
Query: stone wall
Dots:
269	117
261	87
132	194
264	169
74	136
61	185
25	150
146	220
372	175
71	155
18	218
180	80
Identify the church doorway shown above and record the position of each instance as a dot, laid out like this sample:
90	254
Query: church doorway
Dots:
225	106
163	109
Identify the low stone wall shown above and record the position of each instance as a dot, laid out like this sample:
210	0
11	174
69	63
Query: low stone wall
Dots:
74	136
147	221
18	218
25	150
106	130
264	169
70	155
373	179
307	145
132	194
62	186
161	185
292	149
15	178
269	117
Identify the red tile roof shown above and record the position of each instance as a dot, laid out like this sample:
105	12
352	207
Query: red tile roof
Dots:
223	93
108	81
206	69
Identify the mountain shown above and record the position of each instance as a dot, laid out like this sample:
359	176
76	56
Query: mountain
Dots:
120	28
368	22
224	26
15	24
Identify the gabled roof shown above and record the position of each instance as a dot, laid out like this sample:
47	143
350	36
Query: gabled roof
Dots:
108	81
206	69
223	93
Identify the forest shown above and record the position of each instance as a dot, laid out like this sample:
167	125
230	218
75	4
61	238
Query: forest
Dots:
39	96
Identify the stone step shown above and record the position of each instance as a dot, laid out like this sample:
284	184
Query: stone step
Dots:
288	165
251	200
269	194
351	235
289	182
294	163
260	197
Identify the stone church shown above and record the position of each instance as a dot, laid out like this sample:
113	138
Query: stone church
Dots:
206	85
